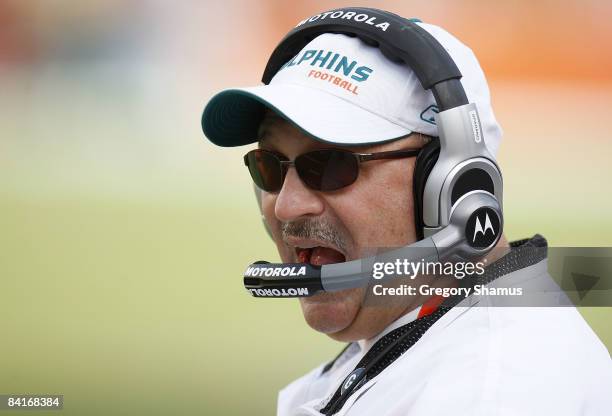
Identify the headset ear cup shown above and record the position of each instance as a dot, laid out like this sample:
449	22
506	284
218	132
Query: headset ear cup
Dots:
425	161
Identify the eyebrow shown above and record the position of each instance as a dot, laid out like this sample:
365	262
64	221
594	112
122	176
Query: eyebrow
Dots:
261	130
262	138
268	117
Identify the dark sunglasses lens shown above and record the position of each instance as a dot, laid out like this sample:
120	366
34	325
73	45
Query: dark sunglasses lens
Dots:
327	170
265	169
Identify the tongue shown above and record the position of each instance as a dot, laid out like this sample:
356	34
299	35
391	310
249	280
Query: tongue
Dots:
324	255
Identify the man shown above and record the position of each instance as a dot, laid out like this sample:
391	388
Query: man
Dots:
340	93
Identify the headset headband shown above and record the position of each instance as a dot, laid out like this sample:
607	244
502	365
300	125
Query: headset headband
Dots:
399	39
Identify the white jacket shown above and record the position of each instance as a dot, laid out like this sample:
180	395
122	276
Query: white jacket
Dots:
476	361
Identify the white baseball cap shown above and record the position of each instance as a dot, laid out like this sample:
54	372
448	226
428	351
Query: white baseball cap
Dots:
340	90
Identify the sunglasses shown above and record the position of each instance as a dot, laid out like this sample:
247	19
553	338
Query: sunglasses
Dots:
320	170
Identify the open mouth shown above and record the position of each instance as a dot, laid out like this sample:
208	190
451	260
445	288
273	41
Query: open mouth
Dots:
318	256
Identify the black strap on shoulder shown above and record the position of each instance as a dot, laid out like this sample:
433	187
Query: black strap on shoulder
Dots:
399	39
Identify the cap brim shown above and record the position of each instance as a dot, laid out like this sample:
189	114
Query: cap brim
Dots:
232	117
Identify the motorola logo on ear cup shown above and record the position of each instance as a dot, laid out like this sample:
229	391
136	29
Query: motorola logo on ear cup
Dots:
483	228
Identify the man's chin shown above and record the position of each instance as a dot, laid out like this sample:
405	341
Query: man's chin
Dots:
331	312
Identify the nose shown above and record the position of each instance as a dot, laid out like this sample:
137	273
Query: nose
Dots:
295	200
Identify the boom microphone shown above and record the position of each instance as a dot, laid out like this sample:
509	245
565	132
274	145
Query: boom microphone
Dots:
279	280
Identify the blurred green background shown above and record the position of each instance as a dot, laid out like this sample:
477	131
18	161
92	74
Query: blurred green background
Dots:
124	234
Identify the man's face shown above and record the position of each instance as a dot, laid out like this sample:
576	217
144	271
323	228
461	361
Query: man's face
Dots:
329	227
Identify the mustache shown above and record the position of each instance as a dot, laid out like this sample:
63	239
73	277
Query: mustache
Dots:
315	229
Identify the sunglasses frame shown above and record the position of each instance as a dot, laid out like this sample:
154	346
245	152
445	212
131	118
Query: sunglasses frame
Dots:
285	163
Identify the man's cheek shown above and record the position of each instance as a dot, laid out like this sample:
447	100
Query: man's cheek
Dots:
267	207
274	227
391	229
268	217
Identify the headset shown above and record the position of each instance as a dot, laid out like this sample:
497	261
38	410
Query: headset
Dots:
457	184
